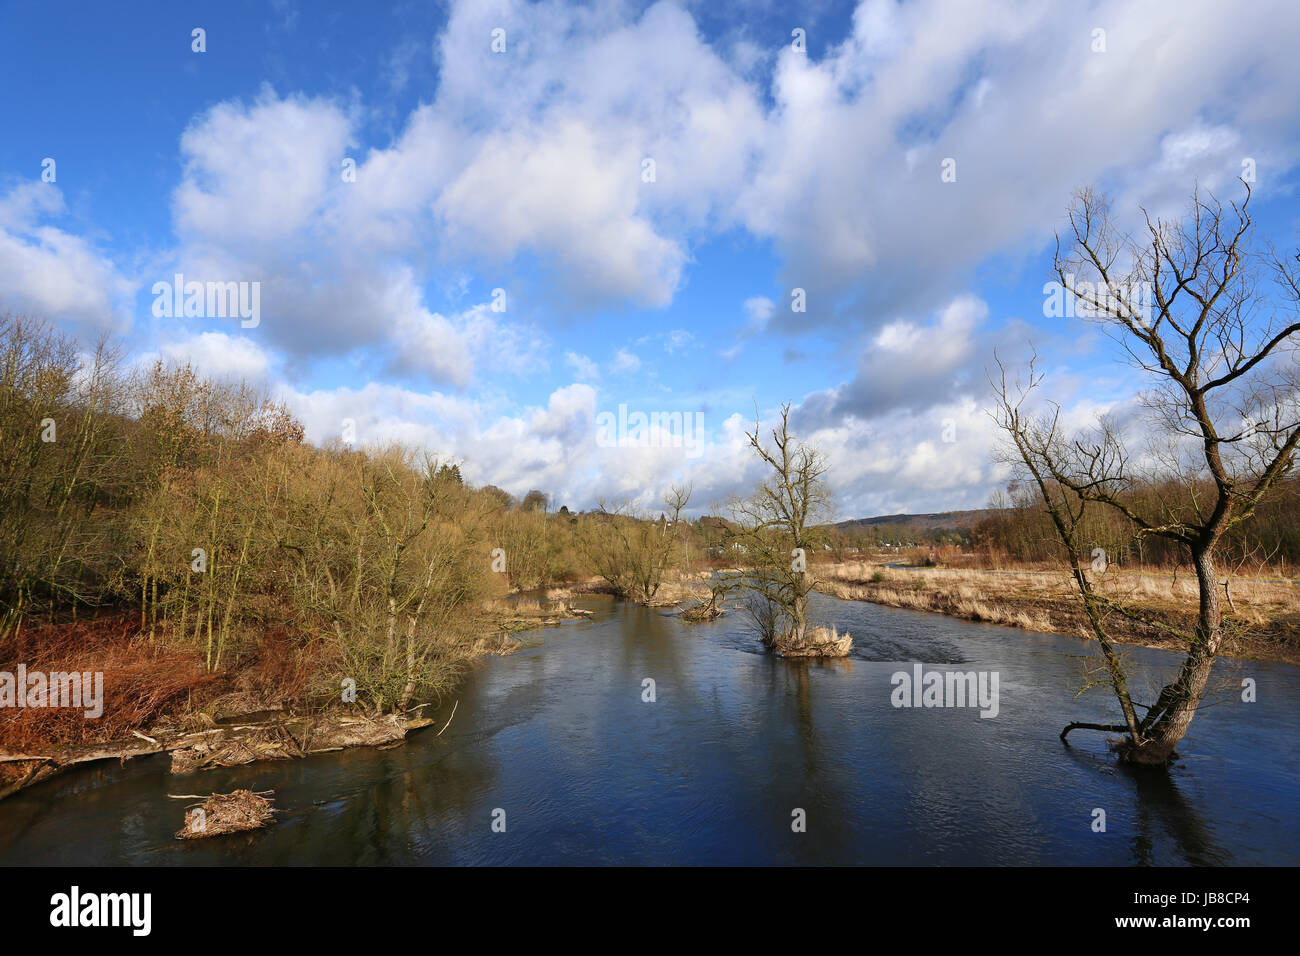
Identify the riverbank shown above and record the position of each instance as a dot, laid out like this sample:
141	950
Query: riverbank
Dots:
1263	619
157	698
559	743
282	738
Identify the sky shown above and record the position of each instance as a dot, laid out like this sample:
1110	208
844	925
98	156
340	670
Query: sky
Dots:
485	228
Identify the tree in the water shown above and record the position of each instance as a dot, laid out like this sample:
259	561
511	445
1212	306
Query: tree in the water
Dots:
777	530
1222	423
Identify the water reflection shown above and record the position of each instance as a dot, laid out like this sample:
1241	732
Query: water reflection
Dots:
559	737
1161	805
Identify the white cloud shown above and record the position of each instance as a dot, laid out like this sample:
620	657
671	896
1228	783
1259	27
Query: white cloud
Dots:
849	180
677	340
581	366
259	173
215	354
455	349
907	365
51	273
1182	150
758	310
560	191
624	361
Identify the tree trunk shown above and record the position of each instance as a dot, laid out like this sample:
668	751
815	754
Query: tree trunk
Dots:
799	619
1167	722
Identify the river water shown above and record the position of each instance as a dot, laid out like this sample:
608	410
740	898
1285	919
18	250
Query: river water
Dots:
559	743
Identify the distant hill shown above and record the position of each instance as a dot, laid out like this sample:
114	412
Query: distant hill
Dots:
943	521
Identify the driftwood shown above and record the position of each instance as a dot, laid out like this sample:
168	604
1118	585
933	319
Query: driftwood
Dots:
704	611
223	813
291	738
228	745
453	714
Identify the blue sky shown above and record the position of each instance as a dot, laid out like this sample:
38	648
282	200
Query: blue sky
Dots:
776	169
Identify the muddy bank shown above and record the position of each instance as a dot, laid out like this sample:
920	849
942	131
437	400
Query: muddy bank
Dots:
227	745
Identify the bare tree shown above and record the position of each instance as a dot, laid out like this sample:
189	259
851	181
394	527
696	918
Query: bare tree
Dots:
1221	410
777	531
630	550
60	448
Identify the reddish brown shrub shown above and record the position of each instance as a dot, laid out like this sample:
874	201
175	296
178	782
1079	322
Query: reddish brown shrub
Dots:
144	682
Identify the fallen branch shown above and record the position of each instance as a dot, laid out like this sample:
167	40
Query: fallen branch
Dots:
227	745
1079	725
448	723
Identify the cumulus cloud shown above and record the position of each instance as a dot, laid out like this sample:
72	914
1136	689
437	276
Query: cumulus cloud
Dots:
608	143
558	190
263	199
260	173
849	181
553	446
452	349
933	460
540	152
215	354
909	365
51	273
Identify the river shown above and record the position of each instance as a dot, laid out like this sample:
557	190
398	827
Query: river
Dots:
559	744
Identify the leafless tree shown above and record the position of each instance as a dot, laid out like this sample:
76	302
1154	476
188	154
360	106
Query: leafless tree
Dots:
776	530
1184	300
630	550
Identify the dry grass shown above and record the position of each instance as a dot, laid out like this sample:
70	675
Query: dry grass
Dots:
1264	613
679	591
523	614
589	585
817	642
144	681
702	611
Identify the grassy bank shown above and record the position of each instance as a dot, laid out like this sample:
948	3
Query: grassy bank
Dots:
1263	619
